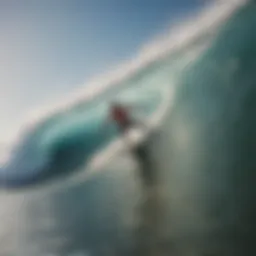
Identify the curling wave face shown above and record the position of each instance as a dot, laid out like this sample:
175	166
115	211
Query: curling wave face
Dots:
68	138
66	141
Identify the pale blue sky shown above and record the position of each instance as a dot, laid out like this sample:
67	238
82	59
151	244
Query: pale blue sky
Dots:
49	47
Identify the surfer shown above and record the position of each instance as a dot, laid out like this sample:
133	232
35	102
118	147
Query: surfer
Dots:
123	117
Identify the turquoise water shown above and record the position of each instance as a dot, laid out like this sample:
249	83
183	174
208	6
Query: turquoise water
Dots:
209	142
204	156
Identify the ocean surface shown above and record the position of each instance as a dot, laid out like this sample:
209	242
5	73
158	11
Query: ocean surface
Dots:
201	201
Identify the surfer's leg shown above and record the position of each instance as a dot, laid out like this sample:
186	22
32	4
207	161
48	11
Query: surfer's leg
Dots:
146	167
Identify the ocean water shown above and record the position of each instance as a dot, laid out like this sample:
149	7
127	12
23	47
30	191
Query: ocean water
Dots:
202	201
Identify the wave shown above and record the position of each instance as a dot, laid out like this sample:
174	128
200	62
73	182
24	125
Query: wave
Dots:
99	162
185	33
66	136
64	143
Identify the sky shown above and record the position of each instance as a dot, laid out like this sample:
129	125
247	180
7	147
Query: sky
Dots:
51	47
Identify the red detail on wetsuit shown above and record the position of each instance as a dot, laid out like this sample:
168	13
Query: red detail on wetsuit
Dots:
120	115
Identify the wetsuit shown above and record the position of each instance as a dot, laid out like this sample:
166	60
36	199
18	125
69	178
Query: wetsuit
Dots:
121	117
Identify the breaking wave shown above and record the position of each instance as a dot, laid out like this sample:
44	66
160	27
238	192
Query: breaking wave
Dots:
56	140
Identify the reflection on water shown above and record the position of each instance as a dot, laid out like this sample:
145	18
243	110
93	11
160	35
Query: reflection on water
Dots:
115	213
150	237
94	217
